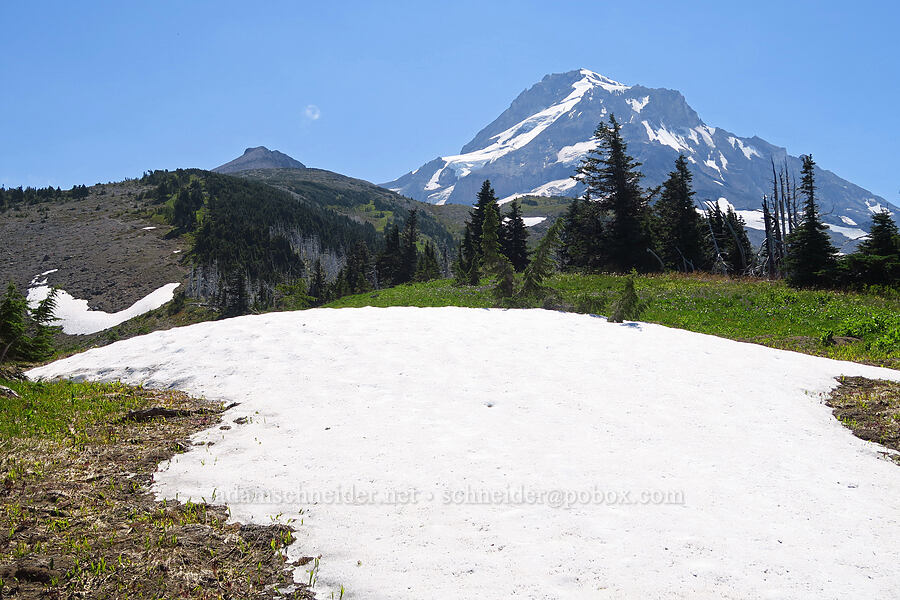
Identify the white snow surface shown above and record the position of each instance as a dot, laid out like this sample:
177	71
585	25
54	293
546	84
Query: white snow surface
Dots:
748	151
557	187
638	105
848	220
754	219
851	232
515	471
76	317
667	138
532	221
575	152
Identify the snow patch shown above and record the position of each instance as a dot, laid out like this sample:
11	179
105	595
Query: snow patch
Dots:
75	316
854	233
425	472
532	221
667	138
638	105
558	187
575	152
706	133
433	182
440	198
753	219
876	207
848	220
748	151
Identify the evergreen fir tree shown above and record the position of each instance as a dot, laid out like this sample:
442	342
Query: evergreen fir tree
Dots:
40	345
317	282
582	236
486	199
466	269
409	251
883	238
812	256
514	241
612	179
541	265
680	233
492	260
388	262
877	259
428	267
13	310
357	272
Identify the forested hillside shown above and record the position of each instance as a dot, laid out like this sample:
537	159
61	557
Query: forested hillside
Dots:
359	200
249	238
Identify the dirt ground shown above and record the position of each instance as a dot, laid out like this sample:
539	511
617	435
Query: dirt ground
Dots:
77	519
98	244
871	409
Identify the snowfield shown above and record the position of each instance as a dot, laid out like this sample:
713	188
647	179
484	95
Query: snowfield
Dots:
463	453
75	316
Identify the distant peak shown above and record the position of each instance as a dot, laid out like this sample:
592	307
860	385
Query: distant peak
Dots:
603	81
260	157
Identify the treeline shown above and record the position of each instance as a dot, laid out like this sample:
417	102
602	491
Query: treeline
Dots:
618	226
12	197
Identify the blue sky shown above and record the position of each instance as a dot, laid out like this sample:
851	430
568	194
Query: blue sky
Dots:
98	91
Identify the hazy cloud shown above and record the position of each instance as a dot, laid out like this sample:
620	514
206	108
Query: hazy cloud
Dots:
312	112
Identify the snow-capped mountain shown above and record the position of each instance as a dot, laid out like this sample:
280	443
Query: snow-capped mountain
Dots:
535	145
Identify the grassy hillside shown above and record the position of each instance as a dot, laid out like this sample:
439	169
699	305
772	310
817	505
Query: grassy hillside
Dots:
840	325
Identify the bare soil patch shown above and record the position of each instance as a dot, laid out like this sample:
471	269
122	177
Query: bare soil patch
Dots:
871	409
77	519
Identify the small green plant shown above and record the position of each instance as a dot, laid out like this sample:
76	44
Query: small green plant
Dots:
628	306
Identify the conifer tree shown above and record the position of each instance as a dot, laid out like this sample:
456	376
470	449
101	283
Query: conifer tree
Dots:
492	260
514	240
877	259
428	267
409	251
680	227
317	283
883	238
40	346
357	272
612	180
466	269
389	259
811	259
541	265
13	310
486	199
581	236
